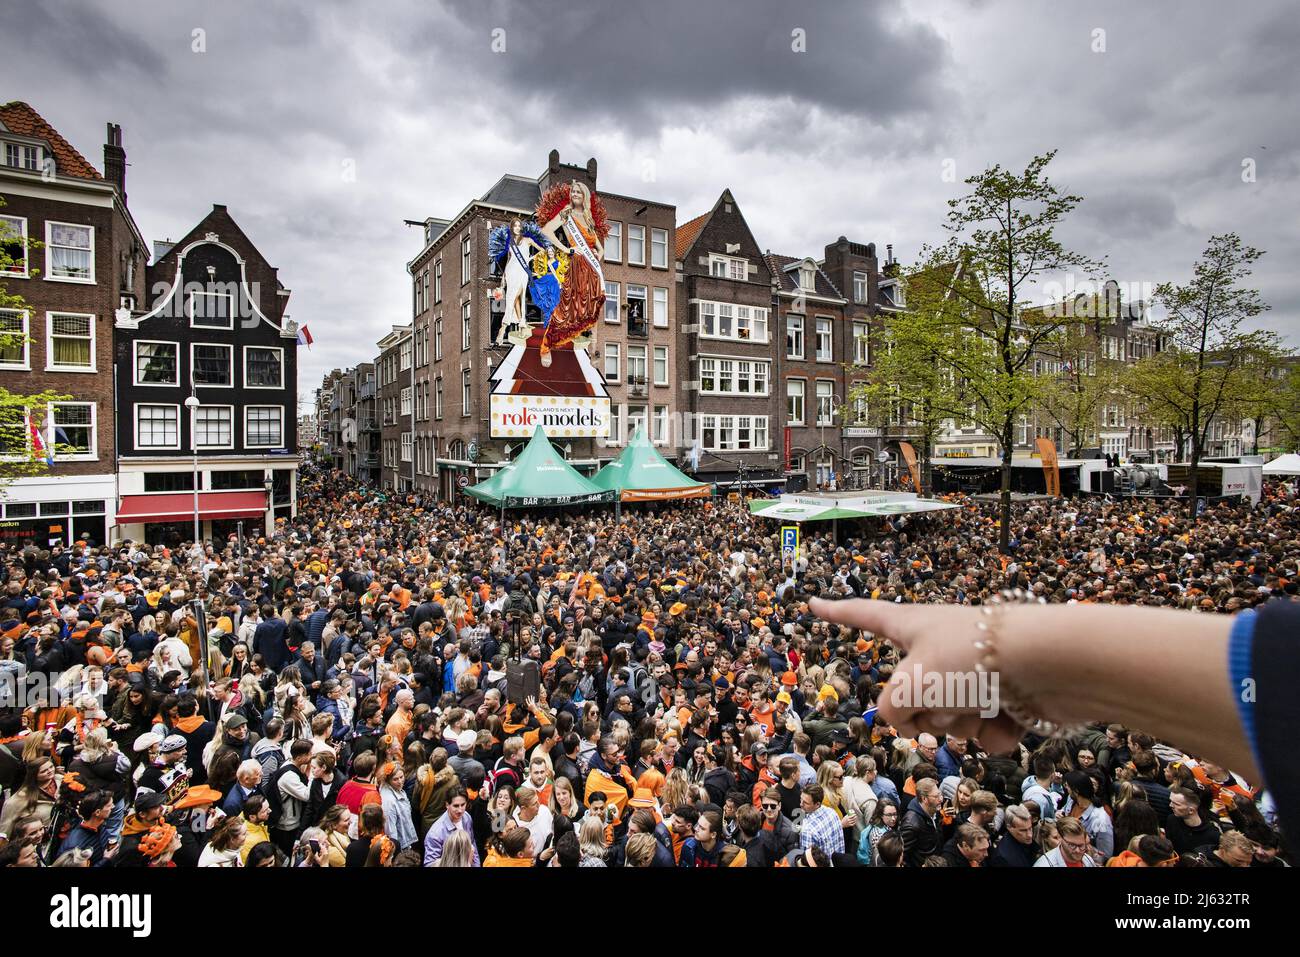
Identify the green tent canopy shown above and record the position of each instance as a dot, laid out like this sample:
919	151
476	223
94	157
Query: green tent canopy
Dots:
794	508
641	474
538	476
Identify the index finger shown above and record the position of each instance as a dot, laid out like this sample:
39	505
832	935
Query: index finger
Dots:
884	618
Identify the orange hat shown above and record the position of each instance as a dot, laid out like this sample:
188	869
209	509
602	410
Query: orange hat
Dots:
641	797
198	797
157	840
863	645
677	608
789	678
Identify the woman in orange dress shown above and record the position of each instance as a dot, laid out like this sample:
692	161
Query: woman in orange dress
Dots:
578	229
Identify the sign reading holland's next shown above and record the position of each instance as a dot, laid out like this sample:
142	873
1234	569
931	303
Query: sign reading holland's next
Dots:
518	416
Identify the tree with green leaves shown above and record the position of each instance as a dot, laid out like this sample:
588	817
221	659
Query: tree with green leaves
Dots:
967	302
1206	370
1077	383
19	458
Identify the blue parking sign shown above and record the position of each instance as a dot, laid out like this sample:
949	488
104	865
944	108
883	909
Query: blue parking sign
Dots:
790	540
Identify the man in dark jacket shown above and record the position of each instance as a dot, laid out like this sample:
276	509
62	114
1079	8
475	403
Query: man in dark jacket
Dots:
312	667
776	835
269	639
1017	847
920	830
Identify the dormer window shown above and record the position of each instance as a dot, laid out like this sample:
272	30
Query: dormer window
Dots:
728	267
23	156
807	278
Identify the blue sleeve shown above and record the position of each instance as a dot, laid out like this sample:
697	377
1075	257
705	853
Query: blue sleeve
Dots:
1241	671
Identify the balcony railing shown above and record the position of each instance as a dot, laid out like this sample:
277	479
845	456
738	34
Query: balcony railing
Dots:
636	385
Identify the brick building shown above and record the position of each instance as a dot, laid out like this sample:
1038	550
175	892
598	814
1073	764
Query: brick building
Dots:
395	401
92	265
730	408
456	321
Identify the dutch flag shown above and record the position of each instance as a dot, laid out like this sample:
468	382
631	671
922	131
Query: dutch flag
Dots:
304	337
38	444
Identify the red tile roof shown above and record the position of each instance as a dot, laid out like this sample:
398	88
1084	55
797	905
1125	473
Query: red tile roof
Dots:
20	118
687	232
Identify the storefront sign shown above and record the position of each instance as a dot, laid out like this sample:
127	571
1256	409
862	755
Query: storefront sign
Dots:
518	416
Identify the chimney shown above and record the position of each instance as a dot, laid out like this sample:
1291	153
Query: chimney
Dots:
115	160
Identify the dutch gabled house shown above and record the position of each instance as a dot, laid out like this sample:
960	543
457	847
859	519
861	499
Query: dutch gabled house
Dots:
214	329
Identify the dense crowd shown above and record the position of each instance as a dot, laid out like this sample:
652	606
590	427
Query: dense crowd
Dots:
345	692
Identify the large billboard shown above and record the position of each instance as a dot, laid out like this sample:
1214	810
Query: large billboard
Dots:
550	296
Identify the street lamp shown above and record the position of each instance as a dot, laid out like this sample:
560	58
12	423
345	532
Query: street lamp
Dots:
192	403
269	485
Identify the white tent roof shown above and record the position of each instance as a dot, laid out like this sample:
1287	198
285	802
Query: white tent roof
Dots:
1288	464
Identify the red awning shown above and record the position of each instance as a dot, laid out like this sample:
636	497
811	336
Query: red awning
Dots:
179	506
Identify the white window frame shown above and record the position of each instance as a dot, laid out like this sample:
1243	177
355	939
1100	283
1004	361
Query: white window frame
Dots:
643	360
866	287
708	308
732	370
861	343
659	318
614	235
93	454
405	401
659	426
466	258
466	393
49	254
49	343
655	357
36	154
803	336
264	387
406	445
157	405
644	296
630	229
466	325
27	253
230	351
803	401
830	339
827	407
24	333
731	265
248	433
727	430
656	234
194	432
437	398
437	339
612	351
135	363
613	293
26	453
189	309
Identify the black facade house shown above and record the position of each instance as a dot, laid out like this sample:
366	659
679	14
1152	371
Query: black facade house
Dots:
216	331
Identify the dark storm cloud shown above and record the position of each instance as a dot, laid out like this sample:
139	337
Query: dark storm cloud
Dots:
76	37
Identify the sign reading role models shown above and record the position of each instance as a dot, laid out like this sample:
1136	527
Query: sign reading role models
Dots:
552	264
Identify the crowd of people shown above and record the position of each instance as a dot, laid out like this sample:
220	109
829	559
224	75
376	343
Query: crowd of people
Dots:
391	682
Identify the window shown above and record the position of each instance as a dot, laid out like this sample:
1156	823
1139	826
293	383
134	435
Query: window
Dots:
157	427
794	398
437	339
861	349
13	246
464	392
406	401
661	308
660	425
211	310
437	281
635	245
23	156
464	326
465	257
71	343
437	398
614	243
406	446
661	365
611	362
15	437
13	339
659	248
155	363
226	480
724	320
636	419
69	252
860	287
263	367
728	267
71	429
404	353
825	350
611	302
636	364
733	376
807	278
794	337
263	426
636	312
825	402
734	433
214	427
211	364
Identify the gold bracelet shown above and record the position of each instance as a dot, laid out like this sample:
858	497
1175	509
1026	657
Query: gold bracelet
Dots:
1020	709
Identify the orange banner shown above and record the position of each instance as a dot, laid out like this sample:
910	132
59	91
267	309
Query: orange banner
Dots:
1051	471
909	456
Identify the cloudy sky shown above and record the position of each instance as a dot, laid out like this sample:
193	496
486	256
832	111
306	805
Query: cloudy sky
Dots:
323	128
